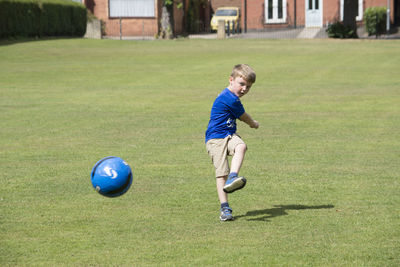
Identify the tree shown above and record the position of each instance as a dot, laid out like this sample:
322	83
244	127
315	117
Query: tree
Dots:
190	16
167	17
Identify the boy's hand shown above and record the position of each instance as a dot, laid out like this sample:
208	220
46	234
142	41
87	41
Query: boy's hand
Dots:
255	125
249	120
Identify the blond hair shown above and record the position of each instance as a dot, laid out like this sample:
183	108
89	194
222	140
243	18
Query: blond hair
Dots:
244	71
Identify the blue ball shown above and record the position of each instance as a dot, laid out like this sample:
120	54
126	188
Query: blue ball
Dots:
111	177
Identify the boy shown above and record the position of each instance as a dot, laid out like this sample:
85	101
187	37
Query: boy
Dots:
221	137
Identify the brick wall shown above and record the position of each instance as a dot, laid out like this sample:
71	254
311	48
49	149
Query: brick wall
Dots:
220	3
129	26
331	12
132	26
255	15
369	3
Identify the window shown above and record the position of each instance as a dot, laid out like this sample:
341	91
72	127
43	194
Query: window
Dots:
313	4
275	11
132	8
226	12
360	10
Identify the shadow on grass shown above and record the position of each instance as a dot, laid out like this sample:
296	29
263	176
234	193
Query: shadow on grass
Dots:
278	210
19	40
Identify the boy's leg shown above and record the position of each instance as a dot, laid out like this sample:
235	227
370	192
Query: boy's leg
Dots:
218	150
237	159
226	211
237	148
222	196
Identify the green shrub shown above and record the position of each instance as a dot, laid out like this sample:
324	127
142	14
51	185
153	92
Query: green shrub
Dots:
31	18
26	12
375	20
339	30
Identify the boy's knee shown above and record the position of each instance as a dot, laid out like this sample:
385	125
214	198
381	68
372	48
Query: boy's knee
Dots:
241	148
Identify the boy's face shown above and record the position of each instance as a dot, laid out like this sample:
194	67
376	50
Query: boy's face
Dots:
239	86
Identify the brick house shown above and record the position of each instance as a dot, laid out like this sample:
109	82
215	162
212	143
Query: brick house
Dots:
141	17
264	14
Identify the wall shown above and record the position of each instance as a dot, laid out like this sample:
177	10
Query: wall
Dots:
221	3
129	26
93	29
331	12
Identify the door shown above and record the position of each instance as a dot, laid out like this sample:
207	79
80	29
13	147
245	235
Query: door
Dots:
313	13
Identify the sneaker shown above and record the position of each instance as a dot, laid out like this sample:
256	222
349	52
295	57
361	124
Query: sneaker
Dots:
234	184
226	214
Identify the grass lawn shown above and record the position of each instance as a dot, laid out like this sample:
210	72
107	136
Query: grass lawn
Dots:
323	169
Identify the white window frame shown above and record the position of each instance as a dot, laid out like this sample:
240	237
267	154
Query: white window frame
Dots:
360	10
132	8
275	18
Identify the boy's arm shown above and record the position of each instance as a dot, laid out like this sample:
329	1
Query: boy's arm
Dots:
246	118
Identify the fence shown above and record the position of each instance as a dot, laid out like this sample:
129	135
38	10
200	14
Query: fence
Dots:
234	30
125	29
147	29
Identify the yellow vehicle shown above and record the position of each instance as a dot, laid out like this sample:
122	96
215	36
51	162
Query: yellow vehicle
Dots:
231	14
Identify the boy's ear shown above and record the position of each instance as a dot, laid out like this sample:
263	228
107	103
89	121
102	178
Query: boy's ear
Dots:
230	79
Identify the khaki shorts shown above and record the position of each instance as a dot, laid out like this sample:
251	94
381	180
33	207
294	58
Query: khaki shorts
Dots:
219	149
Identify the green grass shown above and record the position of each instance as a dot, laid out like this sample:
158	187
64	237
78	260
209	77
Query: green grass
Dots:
323	168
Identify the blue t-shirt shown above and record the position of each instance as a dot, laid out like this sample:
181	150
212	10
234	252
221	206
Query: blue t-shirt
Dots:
224	112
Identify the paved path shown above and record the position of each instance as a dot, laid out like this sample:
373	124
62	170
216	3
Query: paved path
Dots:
302	33
299	33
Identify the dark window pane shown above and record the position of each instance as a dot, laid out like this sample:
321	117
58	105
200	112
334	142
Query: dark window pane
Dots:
269	9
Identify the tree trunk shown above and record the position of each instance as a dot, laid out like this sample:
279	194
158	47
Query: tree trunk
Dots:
184	19
167	29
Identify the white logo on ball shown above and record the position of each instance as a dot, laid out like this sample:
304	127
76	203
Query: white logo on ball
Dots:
111	172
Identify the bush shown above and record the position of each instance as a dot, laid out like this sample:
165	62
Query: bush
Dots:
339	30
375	20
31	18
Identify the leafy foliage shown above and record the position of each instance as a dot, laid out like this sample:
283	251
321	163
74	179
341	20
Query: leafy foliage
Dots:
375	20
26	18
339	30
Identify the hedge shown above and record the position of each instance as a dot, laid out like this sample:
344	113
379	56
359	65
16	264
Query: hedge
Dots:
39	18
375	20
339	30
